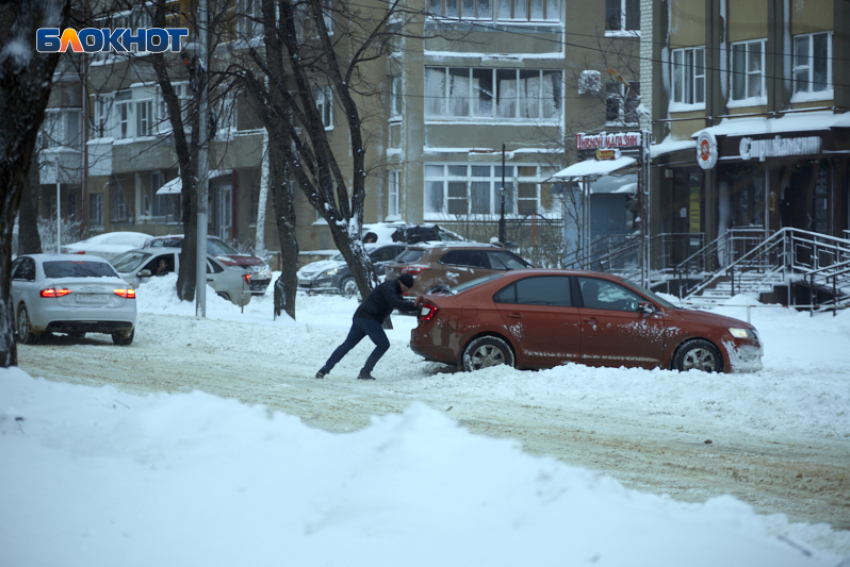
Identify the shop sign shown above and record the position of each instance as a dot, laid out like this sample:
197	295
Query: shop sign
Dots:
778	147
605	141
602	155
706	150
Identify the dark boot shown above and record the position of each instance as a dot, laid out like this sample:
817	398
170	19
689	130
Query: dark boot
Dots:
365	375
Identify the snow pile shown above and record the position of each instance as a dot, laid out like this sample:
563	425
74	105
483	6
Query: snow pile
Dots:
109	478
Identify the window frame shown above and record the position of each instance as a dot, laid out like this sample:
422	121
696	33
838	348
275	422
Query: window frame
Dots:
393	194
809	68
686	78
324	103
618	17
96	209
746	74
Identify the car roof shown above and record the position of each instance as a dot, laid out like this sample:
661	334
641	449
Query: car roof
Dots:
70	257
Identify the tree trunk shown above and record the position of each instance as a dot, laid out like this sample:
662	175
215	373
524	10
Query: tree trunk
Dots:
25	80
29	241
284	205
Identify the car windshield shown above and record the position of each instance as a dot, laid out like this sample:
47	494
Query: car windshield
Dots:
219	248
129	261
78	269
474	283
338	257
175	242
651	295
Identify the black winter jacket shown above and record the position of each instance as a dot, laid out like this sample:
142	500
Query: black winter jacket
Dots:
381	302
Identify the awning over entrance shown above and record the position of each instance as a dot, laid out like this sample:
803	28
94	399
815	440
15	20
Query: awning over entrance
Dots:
592	168
757	126
173	187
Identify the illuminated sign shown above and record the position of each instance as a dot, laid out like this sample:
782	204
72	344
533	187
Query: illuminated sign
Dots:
605	141
778	147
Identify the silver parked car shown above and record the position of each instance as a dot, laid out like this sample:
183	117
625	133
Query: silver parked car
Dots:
140	265
68	293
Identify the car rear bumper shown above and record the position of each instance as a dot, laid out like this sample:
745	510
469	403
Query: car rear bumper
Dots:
89	326
258	287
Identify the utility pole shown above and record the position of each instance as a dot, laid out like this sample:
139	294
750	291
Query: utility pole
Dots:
202	182
58	214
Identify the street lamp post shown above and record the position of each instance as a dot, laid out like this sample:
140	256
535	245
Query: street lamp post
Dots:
502	203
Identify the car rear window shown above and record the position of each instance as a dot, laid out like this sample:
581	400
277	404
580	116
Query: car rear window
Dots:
468	258
81	269
410	256
504	260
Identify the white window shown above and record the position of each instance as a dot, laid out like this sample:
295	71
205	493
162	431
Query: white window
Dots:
529	10
465	9
102	109
813	63
397	100
490	94
62	128
144	118
393	201
689	76
621	104
119	211
324	102
748	70
184	98
461	190
123	111
622	15
96	209
250	22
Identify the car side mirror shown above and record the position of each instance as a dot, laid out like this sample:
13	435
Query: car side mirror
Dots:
144	274
646	307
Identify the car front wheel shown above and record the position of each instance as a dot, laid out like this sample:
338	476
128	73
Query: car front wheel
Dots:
484	352
25	332
121	338
348	287
698	354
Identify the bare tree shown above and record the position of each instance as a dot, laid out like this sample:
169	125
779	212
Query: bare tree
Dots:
312	48
25	78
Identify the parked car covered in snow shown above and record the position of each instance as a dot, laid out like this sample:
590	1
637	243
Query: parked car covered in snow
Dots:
107	245
139	266
545	318
67	293
334	275
261	273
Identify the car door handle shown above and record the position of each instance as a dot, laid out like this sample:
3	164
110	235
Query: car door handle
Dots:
209	279
515	315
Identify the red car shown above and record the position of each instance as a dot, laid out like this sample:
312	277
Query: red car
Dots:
545	318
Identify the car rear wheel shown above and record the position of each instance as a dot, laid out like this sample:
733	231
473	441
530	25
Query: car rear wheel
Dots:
484	352
25	332
698	354
121	338
348	287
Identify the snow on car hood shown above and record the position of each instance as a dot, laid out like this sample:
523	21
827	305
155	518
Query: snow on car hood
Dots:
320	266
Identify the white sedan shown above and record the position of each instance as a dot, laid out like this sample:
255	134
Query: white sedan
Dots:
67	293
108	245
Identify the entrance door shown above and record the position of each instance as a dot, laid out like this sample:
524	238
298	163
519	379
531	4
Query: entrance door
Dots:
224	210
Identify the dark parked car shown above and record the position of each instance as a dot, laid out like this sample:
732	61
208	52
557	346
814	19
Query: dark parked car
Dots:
334	275
545	318
448	264
260	272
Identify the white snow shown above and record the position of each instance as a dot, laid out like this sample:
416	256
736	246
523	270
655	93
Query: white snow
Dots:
95	476
799	122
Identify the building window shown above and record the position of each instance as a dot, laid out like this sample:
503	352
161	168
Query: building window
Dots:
748	70
62	128
96	209
118	209
397	100
184	100
393	200
102	107
144	120
324	102
813	63
622	15
490	94
463	9
689	75
476	190
122	115
250	23
622	103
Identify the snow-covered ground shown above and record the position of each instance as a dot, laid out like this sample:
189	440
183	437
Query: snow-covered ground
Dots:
100	476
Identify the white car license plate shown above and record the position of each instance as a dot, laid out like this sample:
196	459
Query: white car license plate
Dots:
91	298
304	282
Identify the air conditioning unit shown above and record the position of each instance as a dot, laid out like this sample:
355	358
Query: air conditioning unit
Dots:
589	82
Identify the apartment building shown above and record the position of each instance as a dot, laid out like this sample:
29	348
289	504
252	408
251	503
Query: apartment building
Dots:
748	100
471	78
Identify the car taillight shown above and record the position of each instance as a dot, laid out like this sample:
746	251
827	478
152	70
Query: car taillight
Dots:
414	269
427	311
53	292
80	252
129	293
247	278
